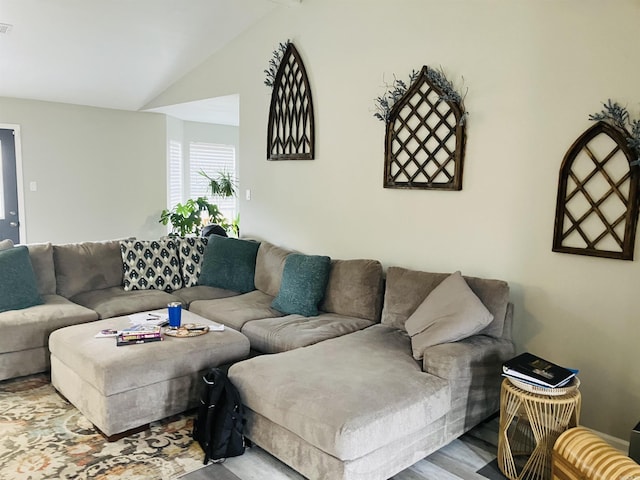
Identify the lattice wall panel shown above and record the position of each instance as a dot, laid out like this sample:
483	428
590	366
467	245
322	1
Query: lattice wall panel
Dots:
424	144
597	207
290	133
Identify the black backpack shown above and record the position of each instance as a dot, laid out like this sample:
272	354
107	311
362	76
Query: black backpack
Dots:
220	421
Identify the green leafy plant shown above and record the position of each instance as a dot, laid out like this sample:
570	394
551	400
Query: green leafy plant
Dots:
189	218
618	116
274	63
223	184
186	219
384	103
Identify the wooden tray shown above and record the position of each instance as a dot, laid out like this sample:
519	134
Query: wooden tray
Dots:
185	332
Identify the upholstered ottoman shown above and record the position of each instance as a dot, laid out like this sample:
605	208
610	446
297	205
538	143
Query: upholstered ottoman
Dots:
123	388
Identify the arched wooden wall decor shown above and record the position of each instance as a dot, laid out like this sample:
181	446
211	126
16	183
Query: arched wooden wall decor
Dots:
290	134
597	205
425	139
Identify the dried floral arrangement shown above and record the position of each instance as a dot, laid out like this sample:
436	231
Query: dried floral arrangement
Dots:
618	116
274	63
384	103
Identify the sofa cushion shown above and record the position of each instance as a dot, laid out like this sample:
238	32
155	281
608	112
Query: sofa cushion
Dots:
41	255
406	289
366	392
201	292
451	312
18	288
5	244
150	265
229	263
190	253
30	328
355	289
273	335
115	301
269	267
304	280
236	311
81	267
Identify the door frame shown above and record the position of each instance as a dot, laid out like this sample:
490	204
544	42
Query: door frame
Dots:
19	179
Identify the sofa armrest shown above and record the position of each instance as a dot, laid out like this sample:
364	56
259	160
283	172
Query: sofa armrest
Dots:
472	367
478	355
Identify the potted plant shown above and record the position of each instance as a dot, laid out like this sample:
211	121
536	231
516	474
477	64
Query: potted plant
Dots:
187	218
195	214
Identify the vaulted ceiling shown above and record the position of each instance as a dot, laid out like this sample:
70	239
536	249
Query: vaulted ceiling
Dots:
112	53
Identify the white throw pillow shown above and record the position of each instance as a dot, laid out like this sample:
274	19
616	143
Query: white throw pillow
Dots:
150	265
451	312
191	252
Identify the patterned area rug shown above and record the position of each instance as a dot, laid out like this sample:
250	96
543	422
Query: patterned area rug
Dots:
42	436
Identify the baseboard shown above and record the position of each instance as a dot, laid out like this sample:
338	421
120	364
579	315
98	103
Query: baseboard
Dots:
615	442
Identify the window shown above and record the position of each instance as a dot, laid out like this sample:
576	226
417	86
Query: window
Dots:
185	181
175	184
211	158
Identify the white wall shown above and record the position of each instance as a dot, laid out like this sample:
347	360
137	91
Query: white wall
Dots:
535	70
100	174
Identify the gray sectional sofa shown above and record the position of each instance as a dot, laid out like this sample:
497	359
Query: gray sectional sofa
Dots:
362	390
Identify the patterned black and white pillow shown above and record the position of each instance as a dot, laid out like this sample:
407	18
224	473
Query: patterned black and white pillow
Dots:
151	265
191	252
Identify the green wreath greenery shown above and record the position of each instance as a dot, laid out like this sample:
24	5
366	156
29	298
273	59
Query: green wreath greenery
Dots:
384	103
618	116
274	63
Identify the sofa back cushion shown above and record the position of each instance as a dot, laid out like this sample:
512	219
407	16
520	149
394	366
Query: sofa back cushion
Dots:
81	267
354	289
269	267
41	255
406	289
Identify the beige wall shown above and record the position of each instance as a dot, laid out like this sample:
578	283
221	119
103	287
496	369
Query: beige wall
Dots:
535	70
100	173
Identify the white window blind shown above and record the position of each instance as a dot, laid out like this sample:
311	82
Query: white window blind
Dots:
175	173
211	158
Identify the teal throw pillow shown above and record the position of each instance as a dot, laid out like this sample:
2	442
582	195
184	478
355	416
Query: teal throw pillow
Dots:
304	281
229	263
18	288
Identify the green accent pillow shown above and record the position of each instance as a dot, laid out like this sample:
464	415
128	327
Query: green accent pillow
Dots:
229	263
18	288
304	281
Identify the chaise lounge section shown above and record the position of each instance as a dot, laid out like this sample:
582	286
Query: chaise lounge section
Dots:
361	406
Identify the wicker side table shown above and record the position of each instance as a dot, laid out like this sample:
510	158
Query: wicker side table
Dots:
530	423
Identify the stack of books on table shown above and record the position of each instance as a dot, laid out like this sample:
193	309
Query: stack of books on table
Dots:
536	371
139	334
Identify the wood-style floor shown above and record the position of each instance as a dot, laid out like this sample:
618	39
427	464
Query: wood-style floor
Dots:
471	457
